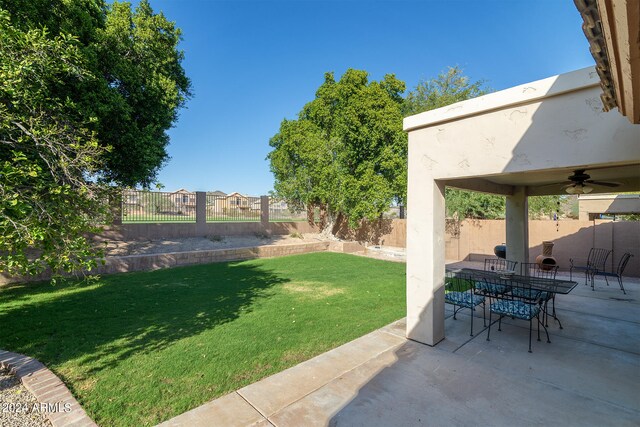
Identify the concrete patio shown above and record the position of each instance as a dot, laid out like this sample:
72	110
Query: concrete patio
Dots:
588	375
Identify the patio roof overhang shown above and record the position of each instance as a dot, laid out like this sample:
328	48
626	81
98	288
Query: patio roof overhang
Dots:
612	28
521	141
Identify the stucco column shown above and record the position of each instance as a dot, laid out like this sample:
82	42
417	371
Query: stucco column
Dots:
518	225
425	258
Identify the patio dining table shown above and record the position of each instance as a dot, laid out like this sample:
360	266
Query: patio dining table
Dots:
555	286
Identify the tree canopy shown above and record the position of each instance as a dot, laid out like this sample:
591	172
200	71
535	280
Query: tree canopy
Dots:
46	156
87	94
447	88
138	83
346	152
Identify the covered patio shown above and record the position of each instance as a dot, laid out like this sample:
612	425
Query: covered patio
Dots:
518	142
524	141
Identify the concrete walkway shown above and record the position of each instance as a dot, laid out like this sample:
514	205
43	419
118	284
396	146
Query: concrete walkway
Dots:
589	375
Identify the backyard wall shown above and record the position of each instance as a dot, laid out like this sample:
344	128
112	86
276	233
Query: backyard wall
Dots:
146	262
154	231
474	240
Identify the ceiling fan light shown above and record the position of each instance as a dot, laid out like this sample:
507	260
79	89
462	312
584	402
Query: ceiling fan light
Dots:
587	189
572	190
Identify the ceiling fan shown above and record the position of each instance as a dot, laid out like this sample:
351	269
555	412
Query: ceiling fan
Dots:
578	183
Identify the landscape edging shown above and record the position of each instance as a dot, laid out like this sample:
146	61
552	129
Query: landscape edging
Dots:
48	389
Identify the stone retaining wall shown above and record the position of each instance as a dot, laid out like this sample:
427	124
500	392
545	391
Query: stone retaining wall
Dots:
147	262
174	259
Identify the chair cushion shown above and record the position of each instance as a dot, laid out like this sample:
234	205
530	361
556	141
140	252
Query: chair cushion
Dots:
464	299
531	294
491	288
519	309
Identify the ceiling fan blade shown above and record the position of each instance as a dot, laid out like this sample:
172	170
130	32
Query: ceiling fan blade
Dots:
604	184
555	184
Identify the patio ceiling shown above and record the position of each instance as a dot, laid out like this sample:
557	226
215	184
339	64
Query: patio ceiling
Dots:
547	182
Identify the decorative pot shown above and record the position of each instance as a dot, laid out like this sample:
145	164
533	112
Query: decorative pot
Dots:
500	251
546	261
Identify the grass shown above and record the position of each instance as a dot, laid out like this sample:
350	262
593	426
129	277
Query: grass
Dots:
140	348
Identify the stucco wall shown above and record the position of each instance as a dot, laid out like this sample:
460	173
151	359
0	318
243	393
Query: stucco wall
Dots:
474	240
552	123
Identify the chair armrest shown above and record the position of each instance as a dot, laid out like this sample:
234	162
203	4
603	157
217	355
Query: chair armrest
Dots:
576	262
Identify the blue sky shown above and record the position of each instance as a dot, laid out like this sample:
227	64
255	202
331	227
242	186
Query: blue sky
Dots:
253	64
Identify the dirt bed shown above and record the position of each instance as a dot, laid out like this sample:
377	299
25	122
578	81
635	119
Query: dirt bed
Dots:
139	247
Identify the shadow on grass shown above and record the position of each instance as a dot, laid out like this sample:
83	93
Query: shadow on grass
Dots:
103	323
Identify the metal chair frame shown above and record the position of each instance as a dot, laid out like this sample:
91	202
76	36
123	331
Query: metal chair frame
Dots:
495	264
533	269
596	262
465	288
622	264
509	304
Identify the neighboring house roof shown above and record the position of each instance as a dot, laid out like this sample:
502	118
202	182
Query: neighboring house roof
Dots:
236	194
182	191
217	193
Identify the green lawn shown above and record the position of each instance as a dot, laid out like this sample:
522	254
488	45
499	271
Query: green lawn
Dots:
139	348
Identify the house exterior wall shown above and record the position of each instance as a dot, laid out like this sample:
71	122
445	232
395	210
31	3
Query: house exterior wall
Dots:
610	204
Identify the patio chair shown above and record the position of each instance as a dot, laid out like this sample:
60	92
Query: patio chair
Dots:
459	292
533	269
596	261
490	288
497	264
511	305
618	273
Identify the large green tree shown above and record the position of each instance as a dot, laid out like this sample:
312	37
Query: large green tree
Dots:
48	200
447	88
139	84
346	152
87	94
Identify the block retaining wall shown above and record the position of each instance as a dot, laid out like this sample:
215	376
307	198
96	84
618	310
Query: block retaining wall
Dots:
148	262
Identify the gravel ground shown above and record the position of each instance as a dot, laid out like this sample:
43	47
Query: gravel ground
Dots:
16	404
138	247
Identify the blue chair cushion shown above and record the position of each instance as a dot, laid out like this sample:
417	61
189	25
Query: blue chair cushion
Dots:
519	309
531	294
491	288
463	299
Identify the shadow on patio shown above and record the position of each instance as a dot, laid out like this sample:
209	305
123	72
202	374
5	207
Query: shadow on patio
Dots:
588	375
